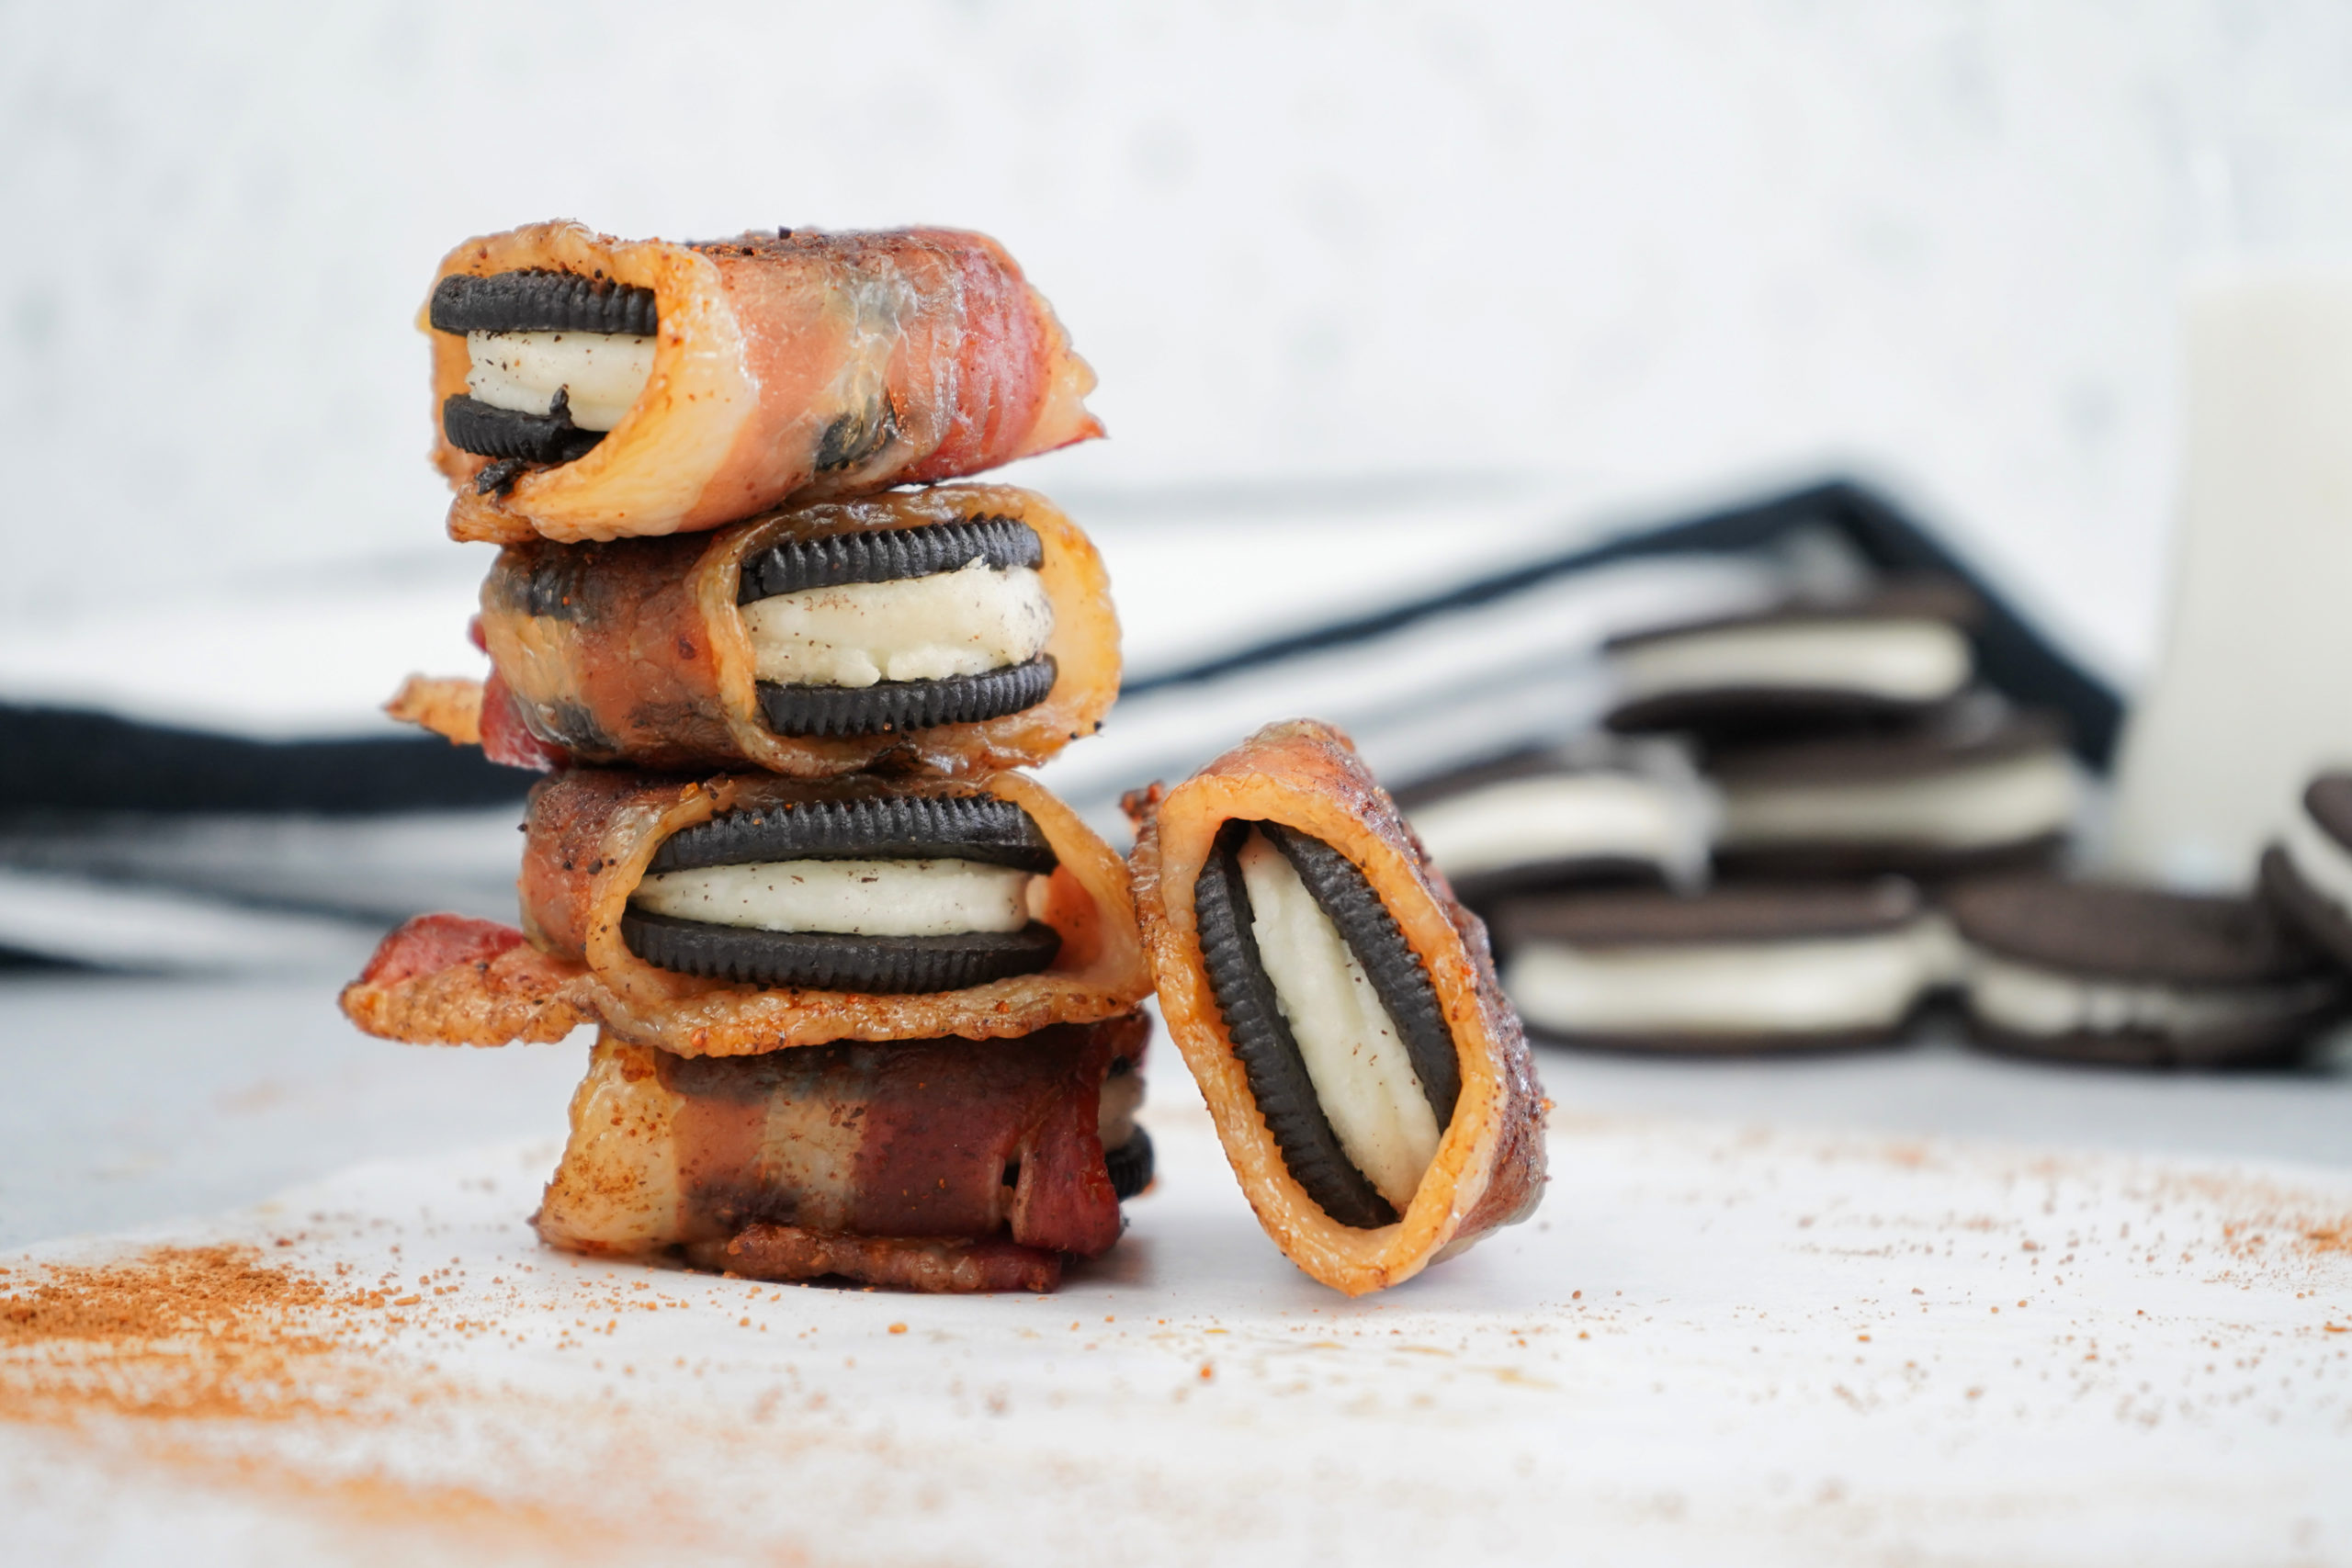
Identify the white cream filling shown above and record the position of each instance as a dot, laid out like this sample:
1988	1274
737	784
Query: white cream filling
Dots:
2319	859
916	629
1114	1120
1909	660
1562	817
1355	1059
2028	999
1813	986
2003	801
863	897
523	371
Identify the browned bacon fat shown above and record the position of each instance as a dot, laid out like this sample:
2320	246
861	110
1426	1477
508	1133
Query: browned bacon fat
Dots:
747	913
590	388
1339	1008
930	1165
958	630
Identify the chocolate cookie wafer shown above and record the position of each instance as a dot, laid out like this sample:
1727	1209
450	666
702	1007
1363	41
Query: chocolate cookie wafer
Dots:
2307	871
2103	973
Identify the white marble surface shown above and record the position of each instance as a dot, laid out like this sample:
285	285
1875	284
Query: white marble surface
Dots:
1736	1331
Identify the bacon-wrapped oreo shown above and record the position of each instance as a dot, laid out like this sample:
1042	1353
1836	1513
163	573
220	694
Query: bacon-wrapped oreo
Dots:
1339	1008
588	387
748	913
959	630
930	1165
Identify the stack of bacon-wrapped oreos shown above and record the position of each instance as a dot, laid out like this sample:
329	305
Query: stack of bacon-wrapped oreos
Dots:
866	995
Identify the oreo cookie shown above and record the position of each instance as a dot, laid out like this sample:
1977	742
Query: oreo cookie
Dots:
887	555
835	961
2137	976
1737	970
539	299
512	435
1130	1165
761	932
1547	820
889	708
1977	789
878	827
1881	659
2307	871
1268	1051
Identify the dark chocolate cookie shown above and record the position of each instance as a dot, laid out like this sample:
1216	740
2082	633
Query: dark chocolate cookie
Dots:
880	827
890	706
835	961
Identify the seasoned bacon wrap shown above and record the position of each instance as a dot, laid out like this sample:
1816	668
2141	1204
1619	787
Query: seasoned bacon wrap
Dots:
801	364
938	1165
1488	1166
443	980
637	651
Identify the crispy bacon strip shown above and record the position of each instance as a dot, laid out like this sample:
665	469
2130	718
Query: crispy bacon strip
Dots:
934	1164
928	339
1489	1167
590	835
635	652
963	1267
449	980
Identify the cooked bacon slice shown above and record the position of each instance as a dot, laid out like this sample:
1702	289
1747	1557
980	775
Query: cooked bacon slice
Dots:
635	651
590	835
1489	1167
929	342
450	980
931	1164
787	1252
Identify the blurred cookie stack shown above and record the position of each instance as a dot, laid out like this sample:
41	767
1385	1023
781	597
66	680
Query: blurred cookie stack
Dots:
865	994
1806	822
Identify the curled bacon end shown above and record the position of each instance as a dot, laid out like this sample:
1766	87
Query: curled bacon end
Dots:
450	706
940	1266
432	943
505	737
450	980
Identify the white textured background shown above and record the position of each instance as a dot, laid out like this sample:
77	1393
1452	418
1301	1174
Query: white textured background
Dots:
1640	254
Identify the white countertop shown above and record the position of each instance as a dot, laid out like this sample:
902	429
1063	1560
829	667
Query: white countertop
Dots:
1785	1347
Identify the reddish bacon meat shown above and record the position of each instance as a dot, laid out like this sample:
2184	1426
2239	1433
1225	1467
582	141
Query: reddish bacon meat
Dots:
591	834
933	1164
799	364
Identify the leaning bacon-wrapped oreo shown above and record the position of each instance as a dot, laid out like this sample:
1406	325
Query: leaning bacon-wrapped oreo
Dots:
748	913
1339	1010
929	1165
959	630
588	387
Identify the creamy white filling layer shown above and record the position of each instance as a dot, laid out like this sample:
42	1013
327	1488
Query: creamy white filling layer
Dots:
1114	1122
1562	816
523	371
863	897
916	629
1906	661
1358	1065
2321	861
2033	1000
1814	986
2008	801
